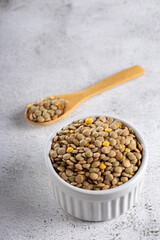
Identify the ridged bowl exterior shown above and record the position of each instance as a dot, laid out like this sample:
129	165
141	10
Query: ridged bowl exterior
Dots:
93	205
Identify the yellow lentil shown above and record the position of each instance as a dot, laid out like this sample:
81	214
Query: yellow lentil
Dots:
102	166
69	149
71	131
52	97
59	105
106	144
108	129
89	120
30	105
127	150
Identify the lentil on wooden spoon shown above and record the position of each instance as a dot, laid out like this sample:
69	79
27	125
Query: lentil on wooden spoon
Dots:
55	108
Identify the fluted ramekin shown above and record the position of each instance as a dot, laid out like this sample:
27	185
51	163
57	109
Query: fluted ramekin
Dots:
91	205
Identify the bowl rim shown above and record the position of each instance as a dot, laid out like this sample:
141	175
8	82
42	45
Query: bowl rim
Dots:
93	192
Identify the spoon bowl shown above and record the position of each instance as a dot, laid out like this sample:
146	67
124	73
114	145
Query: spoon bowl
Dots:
72	104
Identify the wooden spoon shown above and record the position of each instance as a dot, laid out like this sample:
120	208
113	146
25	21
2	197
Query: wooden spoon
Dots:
75	99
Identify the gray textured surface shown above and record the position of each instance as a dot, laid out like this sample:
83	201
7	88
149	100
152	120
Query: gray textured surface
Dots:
49	47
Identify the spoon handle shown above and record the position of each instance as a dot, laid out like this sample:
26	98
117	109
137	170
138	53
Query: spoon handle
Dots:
121	77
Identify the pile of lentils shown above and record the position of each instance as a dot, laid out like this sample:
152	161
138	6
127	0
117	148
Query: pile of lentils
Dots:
96	153
46	109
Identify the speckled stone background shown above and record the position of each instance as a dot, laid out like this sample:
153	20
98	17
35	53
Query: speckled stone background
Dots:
59	46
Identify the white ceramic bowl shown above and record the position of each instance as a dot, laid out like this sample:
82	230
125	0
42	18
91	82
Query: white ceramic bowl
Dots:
93	205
